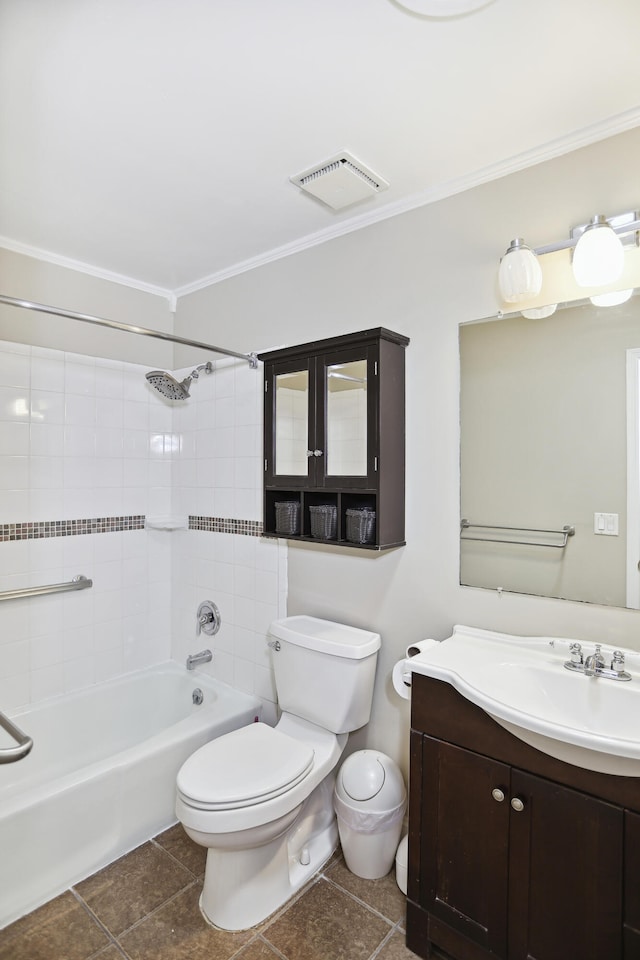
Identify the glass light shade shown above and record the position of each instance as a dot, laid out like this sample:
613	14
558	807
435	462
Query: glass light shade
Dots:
540	313
612	299
443	8
519	273
598	258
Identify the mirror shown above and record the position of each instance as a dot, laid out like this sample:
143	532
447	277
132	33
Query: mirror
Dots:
549	437
347	419
292	423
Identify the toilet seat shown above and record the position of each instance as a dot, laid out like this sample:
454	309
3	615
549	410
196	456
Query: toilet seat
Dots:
243	768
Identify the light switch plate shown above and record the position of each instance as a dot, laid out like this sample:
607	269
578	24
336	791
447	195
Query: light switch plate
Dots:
605	524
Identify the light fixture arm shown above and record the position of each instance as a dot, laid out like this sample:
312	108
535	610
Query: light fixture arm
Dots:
624	230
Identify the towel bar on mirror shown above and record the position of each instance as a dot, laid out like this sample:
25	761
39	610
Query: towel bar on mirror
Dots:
566	532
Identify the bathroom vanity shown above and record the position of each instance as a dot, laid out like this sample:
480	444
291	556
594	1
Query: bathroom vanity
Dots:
334	440
514	853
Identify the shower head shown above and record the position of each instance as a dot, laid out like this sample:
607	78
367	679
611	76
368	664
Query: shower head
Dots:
174	389
168	386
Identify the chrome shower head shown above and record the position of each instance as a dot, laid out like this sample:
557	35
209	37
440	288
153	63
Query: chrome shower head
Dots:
171	388
168	386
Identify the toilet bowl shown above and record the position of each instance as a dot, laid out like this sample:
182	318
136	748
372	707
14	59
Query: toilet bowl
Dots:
260	798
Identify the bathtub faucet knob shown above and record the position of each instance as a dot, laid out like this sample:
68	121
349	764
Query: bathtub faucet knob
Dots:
208	619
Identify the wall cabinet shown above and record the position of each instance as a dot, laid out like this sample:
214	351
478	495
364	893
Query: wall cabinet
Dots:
513	854
334	440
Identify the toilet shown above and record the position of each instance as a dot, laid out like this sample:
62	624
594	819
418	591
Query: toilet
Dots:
260	798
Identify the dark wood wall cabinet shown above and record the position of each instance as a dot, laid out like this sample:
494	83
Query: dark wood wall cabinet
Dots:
334	440
513	854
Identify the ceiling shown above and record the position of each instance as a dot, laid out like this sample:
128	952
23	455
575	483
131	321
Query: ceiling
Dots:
155	139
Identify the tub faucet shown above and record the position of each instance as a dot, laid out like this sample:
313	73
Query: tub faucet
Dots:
193	660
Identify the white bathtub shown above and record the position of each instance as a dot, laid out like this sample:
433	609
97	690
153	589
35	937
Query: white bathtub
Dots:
101	776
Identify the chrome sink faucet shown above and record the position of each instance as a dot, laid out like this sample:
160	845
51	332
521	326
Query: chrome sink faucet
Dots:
595	665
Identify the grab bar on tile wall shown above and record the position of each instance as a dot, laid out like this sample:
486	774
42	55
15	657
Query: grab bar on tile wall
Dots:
566	532
23	742
78	583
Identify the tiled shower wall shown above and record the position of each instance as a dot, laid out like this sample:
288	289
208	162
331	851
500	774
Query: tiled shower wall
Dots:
218	484
87	452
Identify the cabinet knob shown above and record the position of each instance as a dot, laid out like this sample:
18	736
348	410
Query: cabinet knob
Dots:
497	794
517	804
317	453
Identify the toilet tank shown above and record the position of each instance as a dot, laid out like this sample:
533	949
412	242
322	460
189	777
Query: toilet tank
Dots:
324	671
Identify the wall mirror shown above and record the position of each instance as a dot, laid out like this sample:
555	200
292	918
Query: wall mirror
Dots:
549	438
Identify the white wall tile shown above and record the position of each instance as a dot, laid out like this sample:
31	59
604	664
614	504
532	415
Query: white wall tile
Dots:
14	438
81	437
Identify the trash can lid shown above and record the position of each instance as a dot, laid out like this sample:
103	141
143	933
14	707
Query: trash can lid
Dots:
362	775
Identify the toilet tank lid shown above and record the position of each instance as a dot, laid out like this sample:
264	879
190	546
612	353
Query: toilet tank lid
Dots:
336	639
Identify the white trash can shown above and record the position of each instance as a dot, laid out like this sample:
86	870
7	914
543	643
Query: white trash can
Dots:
369	800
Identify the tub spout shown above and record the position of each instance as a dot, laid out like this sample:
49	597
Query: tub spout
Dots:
193	660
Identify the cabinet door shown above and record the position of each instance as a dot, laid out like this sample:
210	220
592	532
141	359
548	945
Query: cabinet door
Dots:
464	844
346	422
631	886
565	873
289	424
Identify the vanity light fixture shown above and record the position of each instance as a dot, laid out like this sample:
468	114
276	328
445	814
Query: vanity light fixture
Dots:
612	299
519	274
598	256
540	313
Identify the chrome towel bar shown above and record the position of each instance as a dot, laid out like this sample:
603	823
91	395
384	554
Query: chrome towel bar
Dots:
78	583
23	742
566	532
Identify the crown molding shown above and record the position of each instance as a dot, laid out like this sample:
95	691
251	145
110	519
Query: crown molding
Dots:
549	151
555	148
59	261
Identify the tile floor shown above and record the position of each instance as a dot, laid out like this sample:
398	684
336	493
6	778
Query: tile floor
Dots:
145	907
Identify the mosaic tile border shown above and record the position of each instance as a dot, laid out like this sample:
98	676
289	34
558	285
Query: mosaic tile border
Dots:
69	528
246	528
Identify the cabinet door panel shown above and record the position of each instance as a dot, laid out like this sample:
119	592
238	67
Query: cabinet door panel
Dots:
565	874
289	424
632	885
464	847
346	406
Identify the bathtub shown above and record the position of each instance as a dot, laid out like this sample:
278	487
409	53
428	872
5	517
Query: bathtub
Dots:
100	778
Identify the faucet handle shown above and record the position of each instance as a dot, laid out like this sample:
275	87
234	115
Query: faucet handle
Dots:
575	649
617	663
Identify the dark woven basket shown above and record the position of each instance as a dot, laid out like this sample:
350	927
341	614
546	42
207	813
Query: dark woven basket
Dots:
324	521
361	525
288	517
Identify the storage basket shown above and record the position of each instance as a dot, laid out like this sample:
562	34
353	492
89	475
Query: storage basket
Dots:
288	517
361	525
324	521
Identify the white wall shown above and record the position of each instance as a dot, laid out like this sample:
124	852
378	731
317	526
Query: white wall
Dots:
421	273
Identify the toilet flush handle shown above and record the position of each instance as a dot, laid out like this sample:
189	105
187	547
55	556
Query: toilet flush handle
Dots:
274	644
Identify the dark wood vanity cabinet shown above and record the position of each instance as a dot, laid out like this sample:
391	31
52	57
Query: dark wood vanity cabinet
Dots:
334	440
513	854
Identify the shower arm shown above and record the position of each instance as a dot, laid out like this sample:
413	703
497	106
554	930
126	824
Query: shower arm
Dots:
251	358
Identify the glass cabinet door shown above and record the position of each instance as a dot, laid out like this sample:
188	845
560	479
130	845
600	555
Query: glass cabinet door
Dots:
347	419
291	423
288	423
347	415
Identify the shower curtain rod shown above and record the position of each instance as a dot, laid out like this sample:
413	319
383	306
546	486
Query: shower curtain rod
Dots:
251	358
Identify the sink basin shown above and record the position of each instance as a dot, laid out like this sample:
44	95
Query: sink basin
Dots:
521	682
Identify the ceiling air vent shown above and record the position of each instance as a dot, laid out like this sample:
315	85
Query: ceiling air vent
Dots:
341	181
